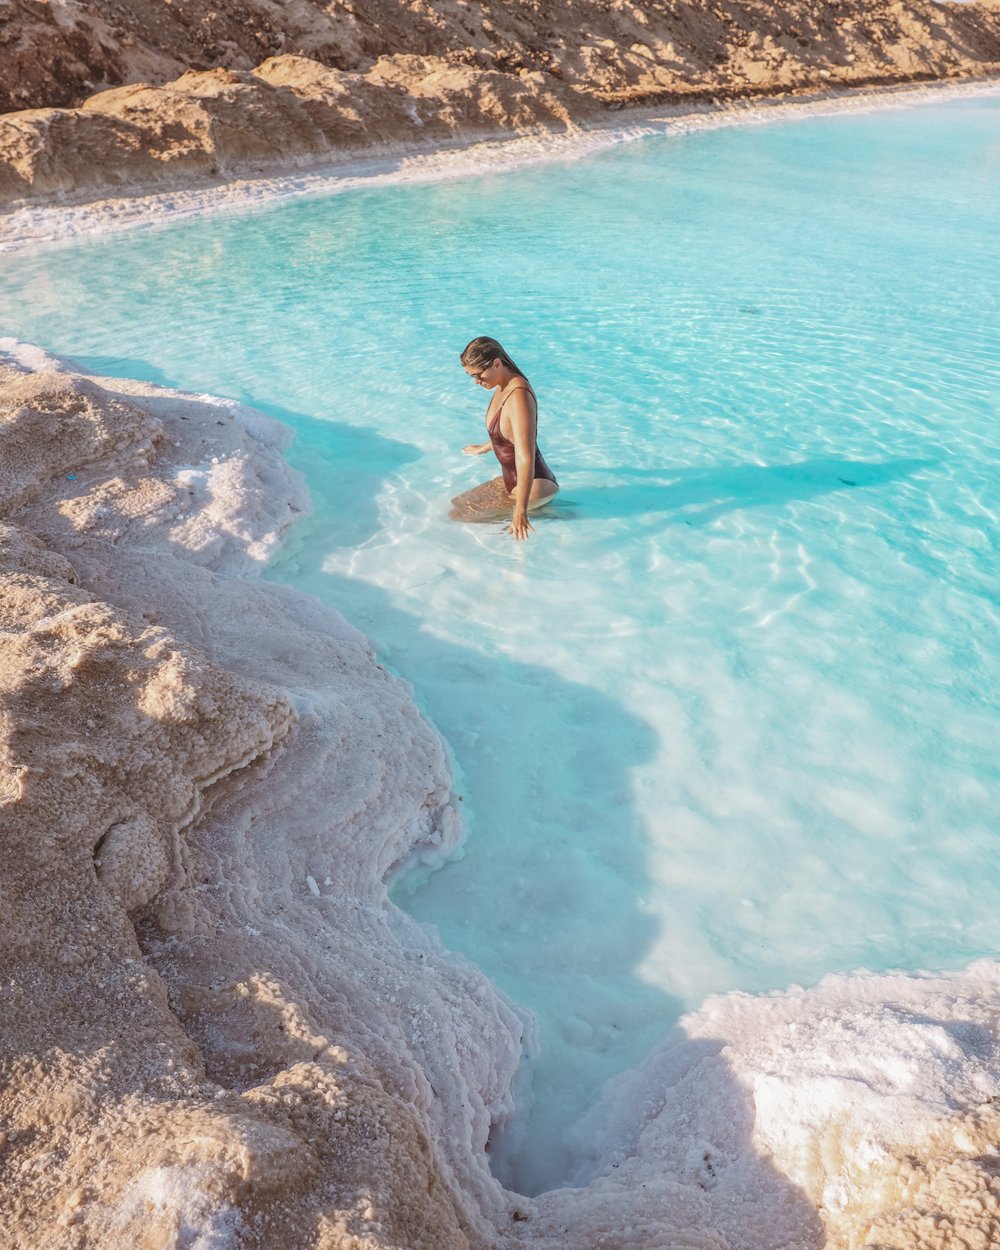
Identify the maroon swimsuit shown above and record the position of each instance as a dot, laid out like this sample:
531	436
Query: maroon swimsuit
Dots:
504	449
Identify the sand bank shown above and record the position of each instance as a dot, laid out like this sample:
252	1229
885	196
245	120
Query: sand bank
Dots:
218	1030
108	102
55	219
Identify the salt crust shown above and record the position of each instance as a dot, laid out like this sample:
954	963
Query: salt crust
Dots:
220	1033
31	225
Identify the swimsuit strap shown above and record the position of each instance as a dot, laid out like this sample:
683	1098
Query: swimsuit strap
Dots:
526	387
496	416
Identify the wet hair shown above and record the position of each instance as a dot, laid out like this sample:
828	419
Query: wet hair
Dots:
482	352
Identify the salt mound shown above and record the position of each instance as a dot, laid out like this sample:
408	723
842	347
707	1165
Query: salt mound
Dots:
220	1033
861	1112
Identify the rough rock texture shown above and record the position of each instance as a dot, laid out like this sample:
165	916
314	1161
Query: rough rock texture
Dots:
947	1196
337	78
175	798
55	55
225	122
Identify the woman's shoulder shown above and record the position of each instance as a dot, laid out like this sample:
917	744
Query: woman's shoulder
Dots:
520	386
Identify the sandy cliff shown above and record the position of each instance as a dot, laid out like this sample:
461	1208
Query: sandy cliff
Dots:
112	96
219	1034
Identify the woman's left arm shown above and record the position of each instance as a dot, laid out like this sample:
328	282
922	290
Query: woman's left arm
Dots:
520	411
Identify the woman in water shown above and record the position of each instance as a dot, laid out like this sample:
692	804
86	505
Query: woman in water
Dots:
511	422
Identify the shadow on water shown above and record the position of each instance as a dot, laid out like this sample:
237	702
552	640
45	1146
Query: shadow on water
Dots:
344	466
701	496
126	367
547	894
547	900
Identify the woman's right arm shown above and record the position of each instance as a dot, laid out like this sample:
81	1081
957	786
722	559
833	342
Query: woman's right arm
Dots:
477	449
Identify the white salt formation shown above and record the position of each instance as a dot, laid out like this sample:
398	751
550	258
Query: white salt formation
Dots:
218	1032
183	749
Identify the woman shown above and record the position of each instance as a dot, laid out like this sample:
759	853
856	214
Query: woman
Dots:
511	422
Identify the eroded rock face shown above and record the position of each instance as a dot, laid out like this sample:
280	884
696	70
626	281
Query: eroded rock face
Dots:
224	122
170	794
184	98
56	56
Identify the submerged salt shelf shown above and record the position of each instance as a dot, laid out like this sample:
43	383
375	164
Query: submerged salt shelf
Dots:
728	720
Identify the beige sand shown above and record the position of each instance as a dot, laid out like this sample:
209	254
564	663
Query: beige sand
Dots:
345	79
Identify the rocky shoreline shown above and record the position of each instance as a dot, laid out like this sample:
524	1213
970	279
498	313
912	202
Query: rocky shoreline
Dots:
200	769
117	105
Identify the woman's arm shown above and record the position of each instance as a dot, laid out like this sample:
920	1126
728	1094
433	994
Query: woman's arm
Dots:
520	412
477	449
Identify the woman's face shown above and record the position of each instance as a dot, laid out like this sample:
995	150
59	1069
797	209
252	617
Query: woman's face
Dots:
488	376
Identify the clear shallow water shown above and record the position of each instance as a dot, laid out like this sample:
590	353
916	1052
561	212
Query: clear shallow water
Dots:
729	719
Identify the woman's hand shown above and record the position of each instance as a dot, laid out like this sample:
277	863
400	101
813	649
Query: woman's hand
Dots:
520	525
476	449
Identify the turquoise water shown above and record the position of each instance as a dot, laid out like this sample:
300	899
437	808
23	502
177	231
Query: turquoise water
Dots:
730	718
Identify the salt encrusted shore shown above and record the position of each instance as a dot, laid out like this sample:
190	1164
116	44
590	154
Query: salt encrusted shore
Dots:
215	1025
99	97
219	1032
65	219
